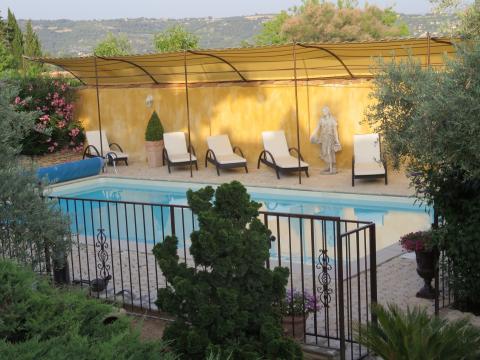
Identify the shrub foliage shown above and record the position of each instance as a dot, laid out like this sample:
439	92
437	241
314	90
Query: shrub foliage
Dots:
28	223
154	130
38	321
227	303
55	127
414	335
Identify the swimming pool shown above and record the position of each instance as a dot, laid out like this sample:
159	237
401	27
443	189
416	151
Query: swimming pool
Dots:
122	207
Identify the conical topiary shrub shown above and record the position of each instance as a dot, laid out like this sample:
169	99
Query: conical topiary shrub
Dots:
154	141
228	303
154	130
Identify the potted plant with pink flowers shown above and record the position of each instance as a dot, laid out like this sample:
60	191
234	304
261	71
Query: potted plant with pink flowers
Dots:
426	254
295	308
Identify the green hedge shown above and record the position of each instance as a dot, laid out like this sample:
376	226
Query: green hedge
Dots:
38	321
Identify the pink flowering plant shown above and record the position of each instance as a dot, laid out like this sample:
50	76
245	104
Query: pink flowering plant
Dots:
298	303
417	241
56	128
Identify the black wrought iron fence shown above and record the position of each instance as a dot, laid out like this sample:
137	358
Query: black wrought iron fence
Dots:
332	259
443	293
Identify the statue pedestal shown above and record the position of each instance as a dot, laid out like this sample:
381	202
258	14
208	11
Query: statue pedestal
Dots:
329	171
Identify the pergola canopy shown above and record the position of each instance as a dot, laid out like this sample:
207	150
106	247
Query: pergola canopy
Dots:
313	61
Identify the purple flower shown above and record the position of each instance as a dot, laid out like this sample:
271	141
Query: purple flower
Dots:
298	303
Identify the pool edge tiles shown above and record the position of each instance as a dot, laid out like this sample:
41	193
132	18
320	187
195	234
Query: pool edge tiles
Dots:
339	198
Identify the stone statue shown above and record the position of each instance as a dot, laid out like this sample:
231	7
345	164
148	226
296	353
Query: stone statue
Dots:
326	135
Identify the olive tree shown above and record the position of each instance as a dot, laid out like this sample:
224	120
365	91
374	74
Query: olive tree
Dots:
30	226
429	122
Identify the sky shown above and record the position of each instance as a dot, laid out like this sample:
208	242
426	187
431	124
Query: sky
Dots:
111	9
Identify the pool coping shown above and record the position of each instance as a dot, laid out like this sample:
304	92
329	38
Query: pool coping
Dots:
219	183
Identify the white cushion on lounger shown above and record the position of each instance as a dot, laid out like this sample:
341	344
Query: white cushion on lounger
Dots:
119	154
175	143
369	168
220	145
276	143
230	159
367	155
176	146
366	148
176	158
288	162
222	148
93	138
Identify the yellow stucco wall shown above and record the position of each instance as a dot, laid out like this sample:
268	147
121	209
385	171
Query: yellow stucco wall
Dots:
241	111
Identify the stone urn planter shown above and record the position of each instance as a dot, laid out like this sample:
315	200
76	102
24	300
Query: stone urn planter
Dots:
154	141
426	270
426	255
293	327
154	150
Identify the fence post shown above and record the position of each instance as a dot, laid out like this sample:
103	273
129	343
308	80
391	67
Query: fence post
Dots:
436	266
172	219
373	269
61	273
341	300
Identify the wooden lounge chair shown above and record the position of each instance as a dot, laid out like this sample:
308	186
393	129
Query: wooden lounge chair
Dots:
367	160
175	152
94	149
221	154
276	154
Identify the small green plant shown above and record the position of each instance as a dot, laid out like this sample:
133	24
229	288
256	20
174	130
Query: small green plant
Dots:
415	335
154	130
228	304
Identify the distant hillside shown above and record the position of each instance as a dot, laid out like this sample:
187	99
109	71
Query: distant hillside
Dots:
72	38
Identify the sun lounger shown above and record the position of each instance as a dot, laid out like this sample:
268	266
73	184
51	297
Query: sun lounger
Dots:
175	152
367	161
221	154
94	149
277	154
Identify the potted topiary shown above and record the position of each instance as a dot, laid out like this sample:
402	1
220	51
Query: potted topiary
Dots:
154	141
425	252
295	309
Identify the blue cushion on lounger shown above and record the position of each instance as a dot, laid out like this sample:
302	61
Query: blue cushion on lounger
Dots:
71	170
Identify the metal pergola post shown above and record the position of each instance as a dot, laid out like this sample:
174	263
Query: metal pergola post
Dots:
188	109
98	105
296	110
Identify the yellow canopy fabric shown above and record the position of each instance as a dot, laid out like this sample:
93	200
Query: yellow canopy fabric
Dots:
314	61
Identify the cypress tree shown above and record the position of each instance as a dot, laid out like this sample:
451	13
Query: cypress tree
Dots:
14	38
31	47
31	44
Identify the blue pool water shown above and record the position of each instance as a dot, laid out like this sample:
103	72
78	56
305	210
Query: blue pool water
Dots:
145	224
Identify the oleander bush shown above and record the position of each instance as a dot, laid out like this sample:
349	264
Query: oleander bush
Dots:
415	335
53	100
229	303
38	321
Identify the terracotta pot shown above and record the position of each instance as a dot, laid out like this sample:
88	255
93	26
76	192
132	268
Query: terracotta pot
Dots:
293	326
154	151
426	270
